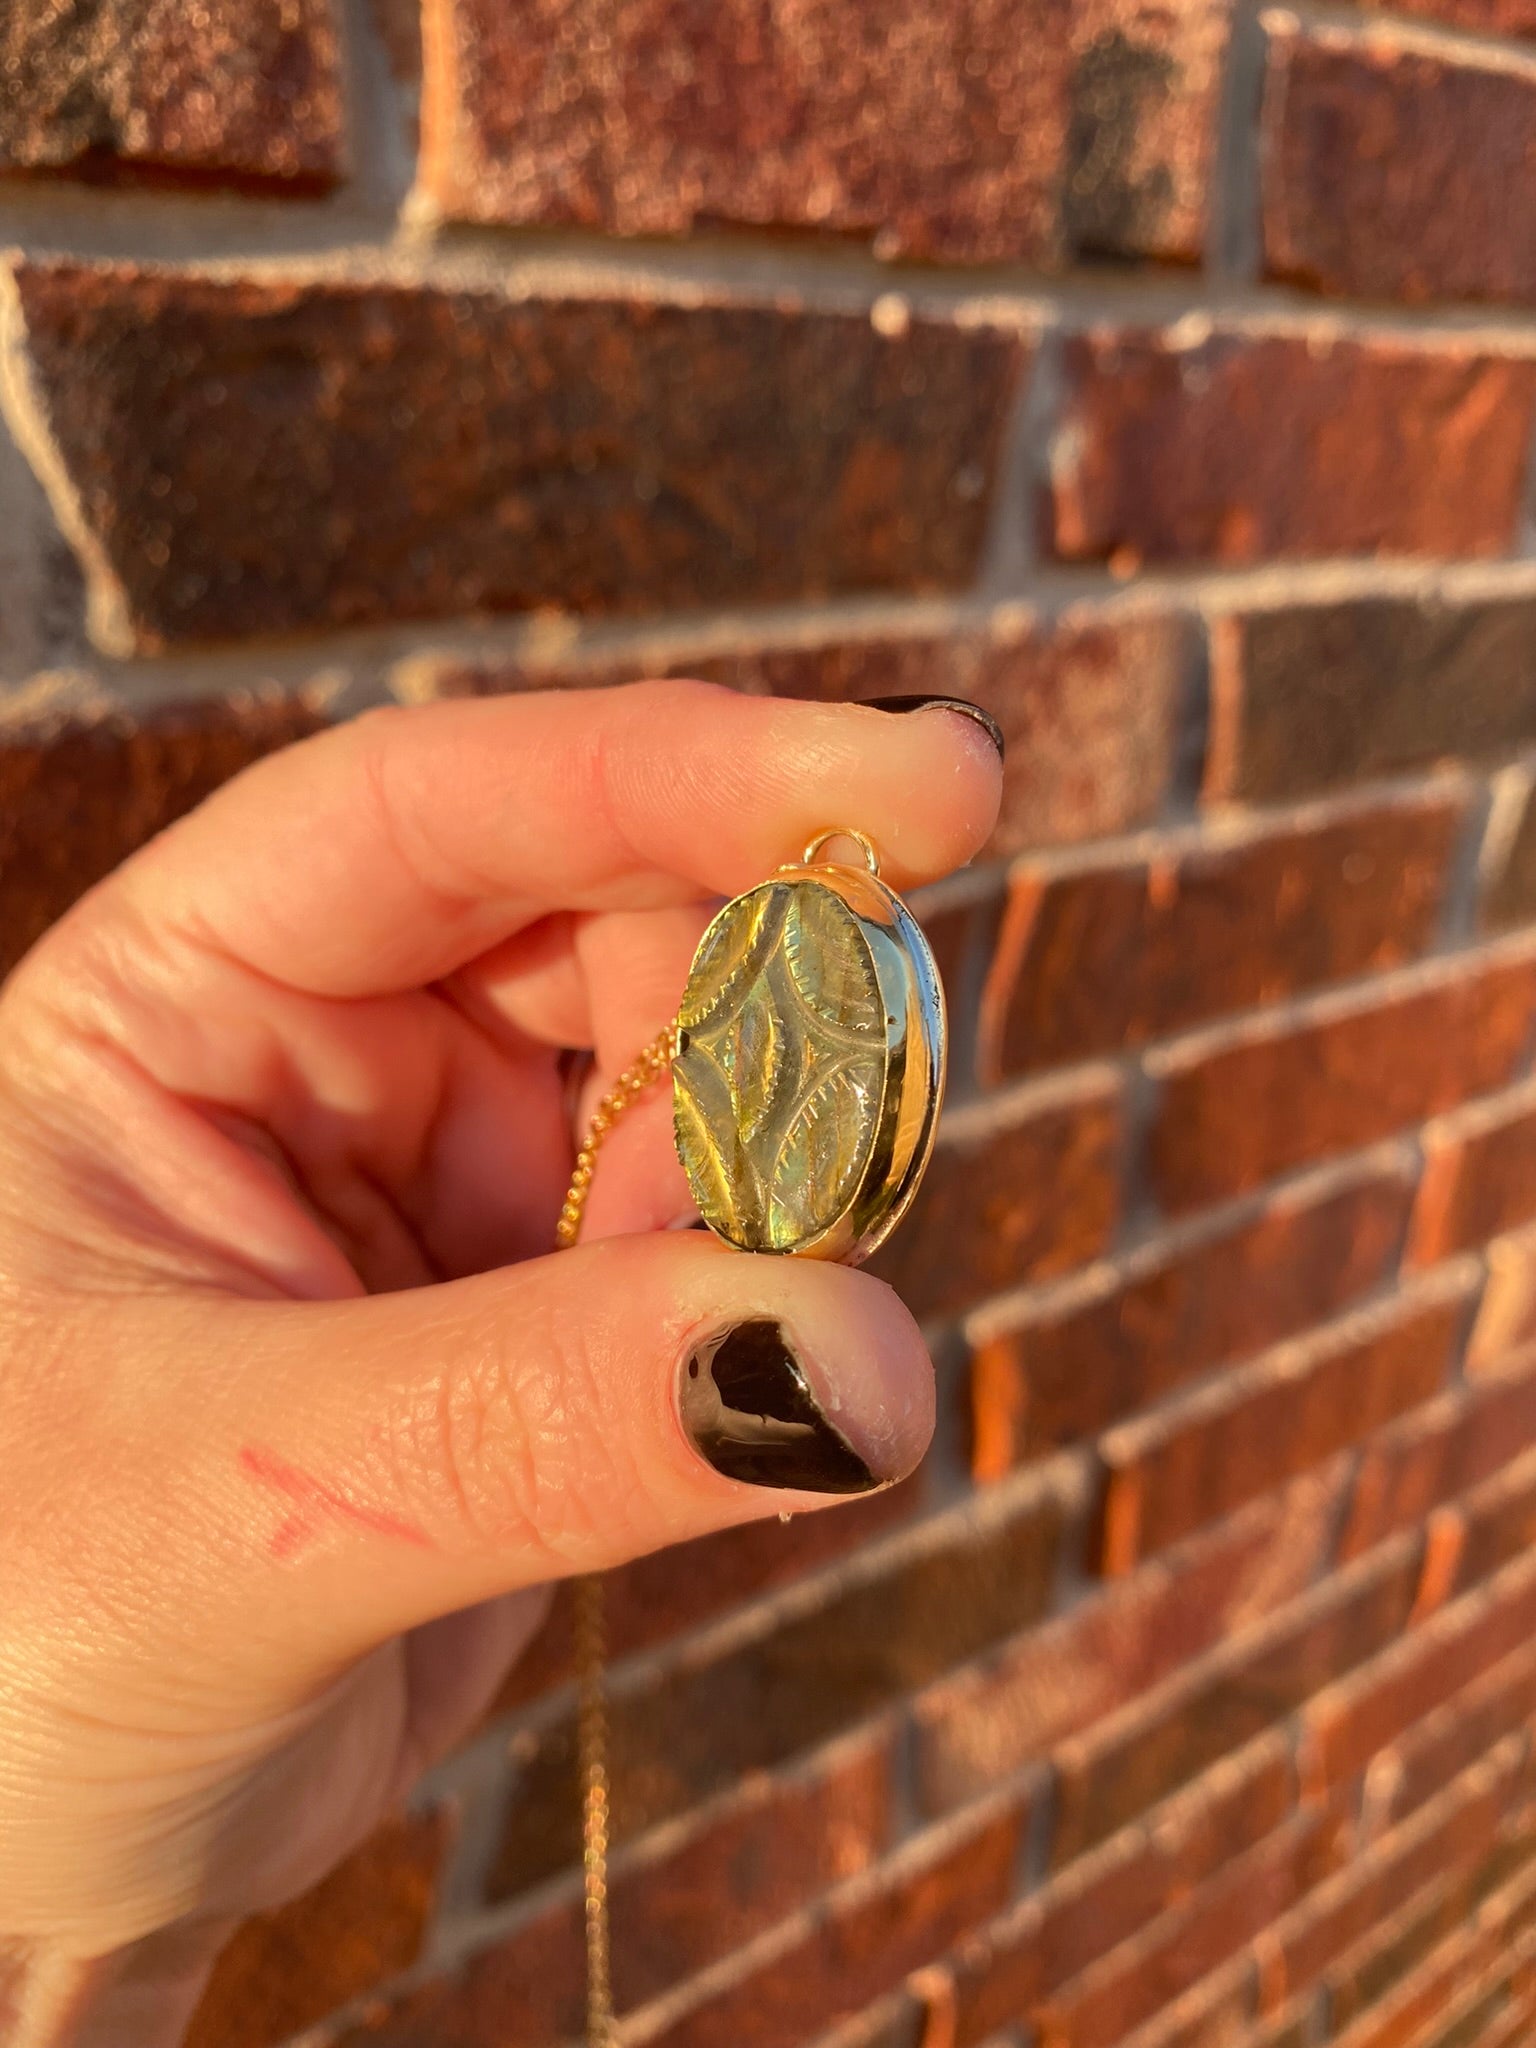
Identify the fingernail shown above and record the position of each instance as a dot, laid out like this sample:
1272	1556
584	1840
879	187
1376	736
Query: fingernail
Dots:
748	1406
963	705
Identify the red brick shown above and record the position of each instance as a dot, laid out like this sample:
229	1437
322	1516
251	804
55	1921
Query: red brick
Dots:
678	1906
979	1725
77	796
1093	957
1509	894
656	1598
901	1917
126	86
1202	1457
1054	1936
1233	1113
1498	1520
1346	1726
1445	1978
1451	1739
1155	1744
979	133
1196	1937
947	140
1146	86
1477	17
1479	1177
362	1924
1395	171
1307	697
1020	1187
1089	708
673	1914
895	2021
1213	2015
1455	1832
928	1600
1506	1316
1188	446
528	1987
339	453
1395	1949
1430	1457
1088	1353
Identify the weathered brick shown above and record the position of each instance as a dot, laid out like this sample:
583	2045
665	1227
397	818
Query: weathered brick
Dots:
1090	1352
1308	697
1089	707
77	796
899	1918
1213	2015
1020	1187
1233	1114
1456	1735
1393	1951
922	1605
1479	1176
360	1925
309	454
1451	1444
1144	112
1061	1931
947	140
1408	2015
1498	1519
1184	445
655	1598
1506	1316
979	133
126	86
1454	1832
1478	17
679	1906
979	1725
1395	171
1206	1455
1095	956
1509	895
1153	1745
1125	1990
1349	1723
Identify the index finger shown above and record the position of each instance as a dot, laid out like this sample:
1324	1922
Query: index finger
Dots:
389	852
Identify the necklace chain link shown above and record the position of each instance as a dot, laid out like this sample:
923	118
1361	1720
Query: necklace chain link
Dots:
591	1662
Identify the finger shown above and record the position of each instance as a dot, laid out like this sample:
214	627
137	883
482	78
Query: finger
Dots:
376	1463
390	851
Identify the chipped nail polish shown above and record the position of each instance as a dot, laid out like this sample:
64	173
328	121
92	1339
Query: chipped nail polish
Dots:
747	1405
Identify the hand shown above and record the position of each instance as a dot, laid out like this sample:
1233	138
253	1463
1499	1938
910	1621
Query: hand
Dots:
299	1409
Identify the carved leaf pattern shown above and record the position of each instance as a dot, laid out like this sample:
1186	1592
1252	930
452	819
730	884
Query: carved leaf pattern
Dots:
752	1054
706	1166
779	1078
817	1166
833	977
732	953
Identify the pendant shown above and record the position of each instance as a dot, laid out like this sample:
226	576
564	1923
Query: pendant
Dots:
808	1060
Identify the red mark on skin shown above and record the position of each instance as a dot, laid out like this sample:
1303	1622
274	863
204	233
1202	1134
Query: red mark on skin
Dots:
316	1503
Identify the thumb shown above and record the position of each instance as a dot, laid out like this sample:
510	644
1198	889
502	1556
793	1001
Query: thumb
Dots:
383	1461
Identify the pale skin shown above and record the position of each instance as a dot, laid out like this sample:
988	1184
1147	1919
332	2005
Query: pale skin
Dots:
300	1413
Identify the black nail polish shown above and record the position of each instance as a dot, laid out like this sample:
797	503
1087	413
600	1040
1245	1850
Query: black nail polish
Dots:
963	705
747	1405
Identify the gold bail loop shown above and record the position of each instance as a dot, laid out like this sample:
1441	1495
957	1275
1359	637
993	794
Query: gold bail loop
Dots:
860	839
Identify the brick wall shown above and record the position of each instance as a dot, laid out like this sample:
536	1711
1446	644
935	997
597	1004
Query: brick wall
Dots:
1162	374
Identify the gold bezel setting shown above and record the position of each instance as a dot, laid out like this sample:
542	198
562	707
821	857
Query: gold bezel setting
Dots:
809	1063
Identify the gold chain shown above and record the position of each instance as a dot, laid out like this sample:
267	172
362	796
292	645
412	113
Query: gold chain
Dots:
591	1684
